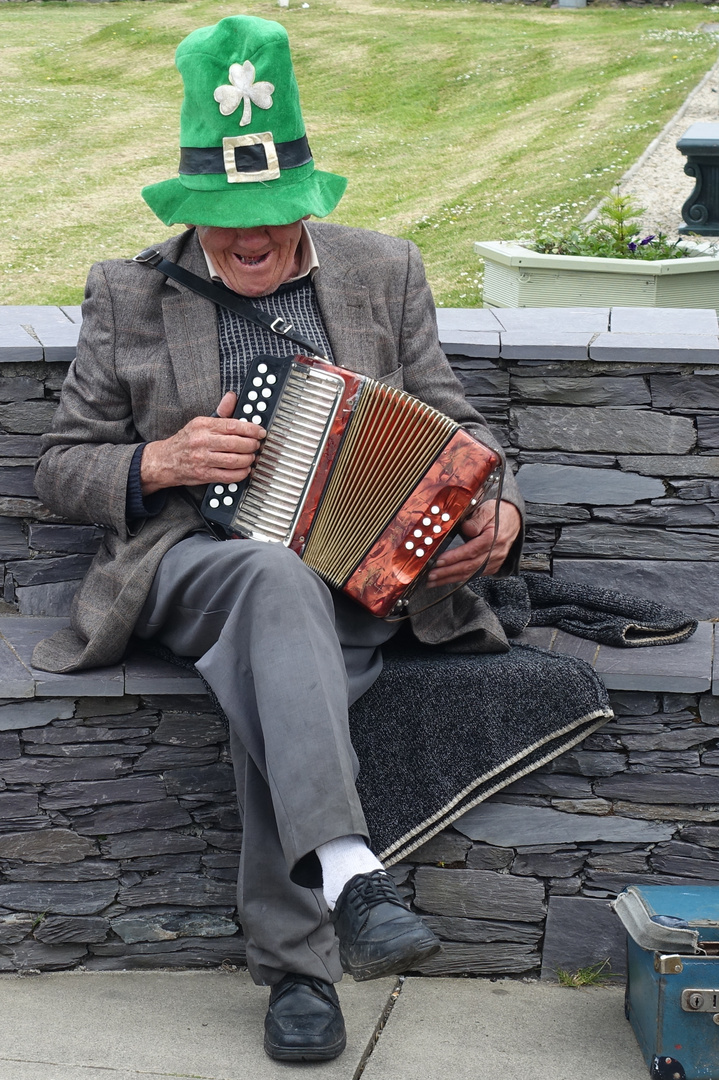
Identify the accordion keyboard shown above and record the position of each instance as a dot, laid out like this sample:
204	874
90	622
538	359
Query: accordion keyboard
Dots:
287	461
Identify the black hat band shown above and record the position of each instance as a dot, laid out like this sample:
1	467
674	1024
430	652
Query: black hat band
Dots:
195	160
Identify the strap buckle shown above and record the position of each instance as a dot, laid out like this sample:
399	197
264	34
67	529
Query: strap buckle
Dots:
149	255
261	138
280	326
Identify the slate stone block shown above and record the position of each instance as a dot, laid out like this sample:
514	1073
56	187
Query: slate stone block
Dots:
562	320
657	761
132	789
487	857
615	541
459	959
588	763
13	544
226	841
73	312
445	847
171	926
18	347
198	729
478	894
582	806
686	586
518	826
558	457
20	388
649	320
491	382
708	432
203	778
628	862
624	431
667	789
536	514
122	819
53	770
61	929
16	804
543	344
61	733
682	668
563	484
12	506
19	446
663	514
553	784
680	739
17	480
685	391
59	342
150	842
44	571
670	348
481	320
146	674
87	870
73	539
28	417
16	680
159	758
581	931
54	599
633	703
87	898
706	836
482	930
38	955
15	927
599	390
702	869
46	846
183	890
557	865
669	465
178	864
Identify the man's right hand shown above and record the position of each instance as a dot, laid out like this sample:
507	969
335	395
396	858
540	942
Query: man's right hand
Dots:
210	449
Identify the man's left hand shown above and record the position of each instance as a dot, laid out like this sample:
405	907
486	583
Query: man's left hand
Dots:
462	562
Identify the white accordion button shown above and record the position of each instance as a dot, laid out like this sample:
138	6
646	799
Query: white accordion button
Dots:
426	521
232	487
436	528
256	419
247	409
428	540
434	509
253	395
257	381
417	532
261	406
419	552
219	488
271	379
445	517
267	392
227	501
214	503
262	368
409	545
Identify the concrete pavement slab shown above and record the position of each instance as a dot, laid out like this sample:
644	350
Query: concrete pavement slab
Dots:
133	1025
457	1029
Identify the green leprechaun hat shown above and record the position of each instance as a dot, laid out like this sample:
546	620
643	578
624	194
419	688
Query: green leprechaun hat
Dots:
244	157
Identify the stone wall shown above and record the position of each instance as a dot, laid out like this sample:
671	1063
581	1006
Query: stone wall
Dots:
120	838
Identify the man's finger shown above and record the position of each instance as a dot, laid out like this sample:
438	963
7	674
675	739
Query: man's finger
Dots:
227	405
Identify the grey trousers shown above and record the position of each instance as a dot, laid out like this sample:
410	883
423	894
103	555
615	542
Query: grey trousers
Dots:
285	656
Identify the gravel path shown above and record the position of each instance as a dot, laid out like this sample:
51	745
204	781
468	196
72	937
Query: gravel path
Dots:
658	181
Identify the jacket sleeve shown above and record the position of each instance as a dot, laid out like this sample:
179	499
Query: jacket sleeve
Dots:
85	459
428	374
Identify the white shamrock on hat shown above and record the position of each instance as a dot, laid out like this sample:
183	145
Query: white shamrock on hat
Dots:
244	88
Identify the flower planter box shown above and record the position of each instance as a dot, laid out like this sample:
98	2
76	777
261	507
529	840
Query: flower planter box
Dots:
514	276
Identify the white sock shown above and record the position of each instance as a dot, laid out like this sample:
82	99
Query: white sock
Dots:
341	859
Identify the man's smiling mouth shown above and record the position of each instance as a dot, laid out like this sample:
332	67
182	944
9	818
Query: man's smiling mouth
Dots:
252	260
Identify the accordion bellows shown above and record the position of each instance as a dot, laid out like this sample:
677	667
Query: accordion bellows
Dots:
365	482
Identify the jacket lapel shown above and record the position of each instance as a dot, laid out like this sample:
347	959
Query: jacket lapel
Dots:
344	304
192	337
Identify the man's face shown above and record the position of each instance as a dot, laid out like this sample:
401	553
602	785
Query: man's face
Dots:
253	262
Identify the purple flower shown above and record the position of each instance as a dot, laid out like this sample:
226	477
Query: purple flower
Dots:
632	246
647	240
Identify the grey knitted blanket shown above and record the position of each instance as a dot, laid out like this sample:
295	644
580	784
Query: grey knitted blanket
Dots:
612	618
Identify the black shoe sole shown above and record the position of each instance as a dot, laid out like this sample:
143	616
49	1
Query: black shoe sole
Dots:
404	957
305	1053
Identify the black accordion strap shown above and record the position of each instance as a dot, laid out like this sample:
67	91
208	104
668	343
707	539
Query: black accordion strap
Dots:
223	296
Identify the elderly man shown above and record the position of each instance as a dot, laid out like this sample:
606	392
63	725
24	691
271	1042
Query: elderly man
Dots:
146	419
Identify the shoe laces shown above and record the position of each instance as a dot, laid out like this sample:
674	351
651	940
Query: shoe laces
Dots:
368	890
318	987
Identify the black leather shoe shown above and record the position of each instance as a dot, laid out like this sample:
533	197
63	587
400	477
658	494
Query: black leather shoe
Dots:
304	1021
378	934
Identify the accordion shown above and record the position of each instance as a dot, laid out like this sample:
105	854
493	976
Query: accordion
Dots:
365	482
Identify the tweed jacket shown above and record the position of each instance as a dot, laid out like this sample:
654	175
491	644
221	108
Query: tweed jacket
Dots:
148	362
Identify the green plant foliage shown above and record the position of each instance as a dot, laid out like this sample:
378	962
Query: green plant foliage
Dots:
593	975
614	234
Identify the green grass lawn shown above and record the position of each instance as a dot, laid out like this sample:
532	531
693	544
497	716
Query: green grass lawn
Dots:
454	120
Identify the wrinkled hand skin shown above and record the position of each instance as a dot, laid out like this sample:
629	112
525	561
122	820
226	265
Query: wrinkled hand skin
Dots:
210	449
461	563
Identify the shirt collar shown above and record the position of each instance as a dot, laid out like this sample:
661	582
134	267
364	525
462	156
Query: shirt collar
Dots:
309	263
